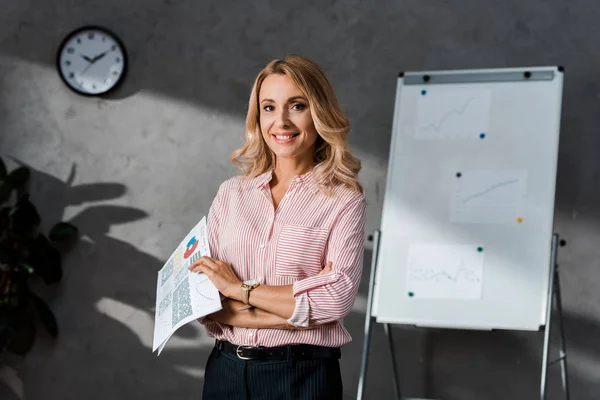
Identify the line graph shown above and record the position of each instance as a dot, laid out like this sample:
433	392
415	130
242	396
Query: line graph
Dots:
203	287
444	271
489	196
455	111
436	275
447	114
490	189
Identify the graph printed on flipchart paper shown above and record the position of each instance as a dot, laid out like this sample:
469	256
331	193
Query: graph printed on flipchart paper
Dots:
453	115
445	271
489	196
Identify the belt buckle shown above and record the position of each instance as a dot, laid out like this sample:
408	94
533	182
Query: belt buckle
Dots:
238	352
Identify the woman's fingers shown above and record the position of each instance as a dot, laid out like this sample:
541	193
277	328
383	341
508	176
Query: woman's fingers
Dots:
326	269
200	266
204	262
211	263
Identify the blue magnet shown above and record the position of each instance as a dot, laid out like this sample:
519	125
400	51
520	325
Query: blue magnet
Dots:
423	92
482	135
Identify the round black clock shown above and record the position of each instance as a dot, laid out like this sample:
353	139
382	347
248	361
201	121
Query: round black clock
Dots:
92	61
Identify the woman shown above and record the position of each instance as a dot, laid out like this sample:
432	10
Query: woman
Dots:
287	244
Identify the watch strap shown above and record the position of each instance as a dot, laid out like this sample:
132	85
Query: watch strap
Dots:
246	292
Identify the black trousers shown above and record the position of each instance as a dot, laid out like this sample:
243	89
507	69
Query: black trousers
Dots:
227	377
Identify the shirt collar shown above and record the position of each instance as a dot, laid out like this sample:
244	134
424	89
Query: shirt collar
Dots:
264	178
307	180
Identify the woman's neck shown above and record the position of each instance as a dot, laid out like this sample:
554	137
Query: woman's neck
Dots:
286	170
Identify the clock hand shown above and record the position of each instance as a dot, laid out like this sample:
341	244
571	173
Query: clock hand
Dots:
86	58
99	56
86	68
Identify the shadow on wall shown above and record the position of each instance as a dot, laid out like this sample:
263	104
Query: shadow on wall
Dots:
105	305
105	309
457	364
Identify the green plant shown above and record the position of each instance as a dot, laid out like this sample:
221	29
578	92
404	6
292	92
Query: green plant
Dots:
24	252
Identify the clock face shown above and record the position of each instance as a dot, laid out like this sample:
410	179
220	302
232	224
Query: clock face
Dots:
92	61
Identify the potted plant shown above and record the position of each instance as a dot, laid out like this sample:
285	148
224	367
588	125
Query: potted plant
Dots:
24	252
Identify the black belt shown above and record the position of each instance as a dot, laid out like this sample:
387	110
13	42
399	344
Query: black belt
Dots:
291	352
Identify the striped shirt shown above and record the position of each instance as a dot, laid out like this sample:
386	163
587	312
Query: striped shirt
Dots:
290	245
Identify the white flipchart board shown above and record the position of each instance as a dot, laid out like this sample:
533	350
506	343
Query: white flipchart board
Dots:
468	211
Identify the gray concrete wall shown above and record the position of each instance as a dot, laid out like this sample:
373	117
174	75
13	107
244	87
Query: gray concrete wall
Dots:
136	171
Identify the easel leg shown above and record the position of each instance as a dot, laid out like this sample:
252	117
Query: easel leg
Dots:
368	319
554	294
365	358
548	327
388	333
563	347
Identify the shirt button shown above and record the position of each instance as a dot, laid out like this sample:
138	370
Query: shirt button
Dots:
262	245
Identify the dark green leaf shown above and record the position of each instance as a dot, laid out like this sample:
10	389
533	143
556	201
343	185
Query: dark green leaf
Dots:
45	260
25	218
8	253
6	188
63	232
25	336
27	268
2	169
19	177
7	332
46	315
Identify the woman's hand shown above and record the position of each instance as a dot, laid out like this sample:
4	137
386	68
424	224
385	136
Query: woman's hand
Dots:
254	318
326	269
230	314
220	274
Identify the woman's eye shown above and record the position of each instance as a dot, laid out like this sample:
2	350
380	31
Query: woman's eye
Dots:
268	108
299	107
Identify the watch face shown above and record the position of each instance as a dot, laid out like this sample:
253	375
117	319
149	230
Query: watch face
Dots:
251	282
92	61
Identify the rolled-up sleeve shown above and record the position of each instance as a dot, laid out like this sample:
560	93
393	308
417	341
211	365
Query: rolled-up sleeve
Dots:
329	297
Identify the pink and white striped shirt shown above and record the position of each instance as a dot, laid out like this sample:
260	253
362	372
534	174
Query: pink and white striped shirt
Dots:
291	245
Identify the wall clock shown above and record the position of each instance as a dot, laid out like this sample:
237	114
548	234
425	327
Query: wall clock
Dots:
92	61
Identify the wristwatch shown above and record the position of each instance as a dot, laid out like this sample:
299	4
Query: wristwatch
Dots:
247	287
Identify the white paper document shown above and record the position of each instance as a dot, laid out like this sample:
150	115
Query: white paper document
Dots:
445	271
453	115
183	296
489	196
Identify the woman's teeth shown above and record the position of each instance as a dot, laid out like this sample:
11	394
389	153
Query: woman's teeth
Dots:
285	137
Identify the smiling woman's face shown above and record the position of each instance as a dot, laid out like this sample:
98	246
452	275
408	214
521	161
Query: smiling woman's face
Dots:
285	119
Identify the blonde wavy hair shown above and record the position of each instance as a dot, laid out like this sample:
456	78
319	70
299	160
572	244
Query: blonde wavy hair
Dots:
334	163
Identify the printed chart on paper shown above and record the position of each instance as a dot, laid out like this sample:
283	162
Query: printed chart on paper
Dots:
453	115
444	271
489	196
181	295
